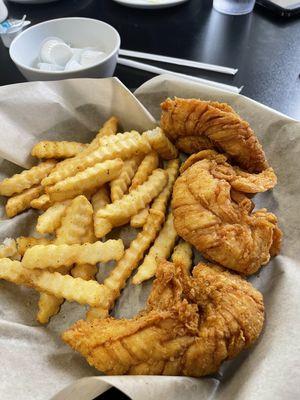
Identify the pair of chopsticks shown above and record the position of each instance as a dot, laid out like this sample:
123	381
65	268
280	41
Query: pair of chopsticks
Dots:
177	61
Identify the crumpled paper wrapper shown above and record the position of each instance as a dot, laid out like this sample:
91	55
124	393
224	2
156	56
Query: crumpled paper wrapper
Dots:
35	364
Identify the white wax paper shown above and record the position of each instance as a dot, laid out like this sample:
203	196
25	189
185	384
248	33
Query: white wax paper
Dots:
35	364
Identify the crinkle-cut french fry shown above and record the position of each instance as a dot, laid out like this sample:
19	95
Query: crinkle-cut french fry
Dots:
25	242
96	313
55	256
13	271
139	219
50	220
118	277
26	179
89	236
8	248
61	286
172	169
89	179
183	255
21	202
145	169
160	143
161	248
72	289
88	271
109	128
132	256
54	149
100	198
84	271
122	145
48	305
120	185
41	203
75	222
122	210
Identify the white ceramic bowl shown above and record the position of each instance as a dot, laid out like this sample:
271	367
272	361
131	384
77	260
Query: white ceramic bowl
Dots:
79	32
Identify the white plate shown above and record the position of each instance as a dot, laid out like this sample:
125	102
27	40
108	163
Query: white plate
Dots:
150	3
32	1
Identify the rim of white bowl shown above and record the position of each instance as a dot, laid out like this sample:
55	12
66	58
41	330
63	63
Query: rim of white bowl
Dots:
116	48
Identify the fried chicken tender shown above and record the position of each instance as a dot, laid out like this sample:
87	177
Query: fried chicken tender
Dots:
212	212
194	125
191	325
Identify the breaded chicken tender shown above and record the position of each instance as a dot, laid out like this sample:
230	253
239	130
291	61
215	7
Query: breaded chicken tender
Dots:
191	325
194	124
212	212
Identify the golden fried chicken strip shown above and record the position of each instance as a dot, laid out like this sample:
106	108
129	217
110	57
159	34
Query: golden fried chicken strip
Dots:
191	325
219	221
240	180
194	124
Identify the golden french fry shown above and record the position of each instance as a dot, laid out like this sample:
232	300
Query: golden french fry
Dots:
48	305
26	179
8	248
76	227
147	166
55	256
161	248
109	128
12	271
61	286
160	203
24	243
84	271
120	211
132	256
51	219
89	236
41	203
160	143
122	145
183	255
54	149
145	169
100	198
88	271
89	179
21	202
138	220
75	222
72	289
119	186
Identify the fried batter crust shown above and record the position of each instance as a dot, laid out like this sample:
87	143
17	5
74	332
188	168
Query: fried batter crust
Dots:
191	325
195	125
212	212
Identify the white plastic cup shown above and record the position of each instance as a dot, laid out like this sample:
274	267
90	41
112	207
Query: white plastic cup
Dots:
10	34
234	7
91	57
55	51
72	65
